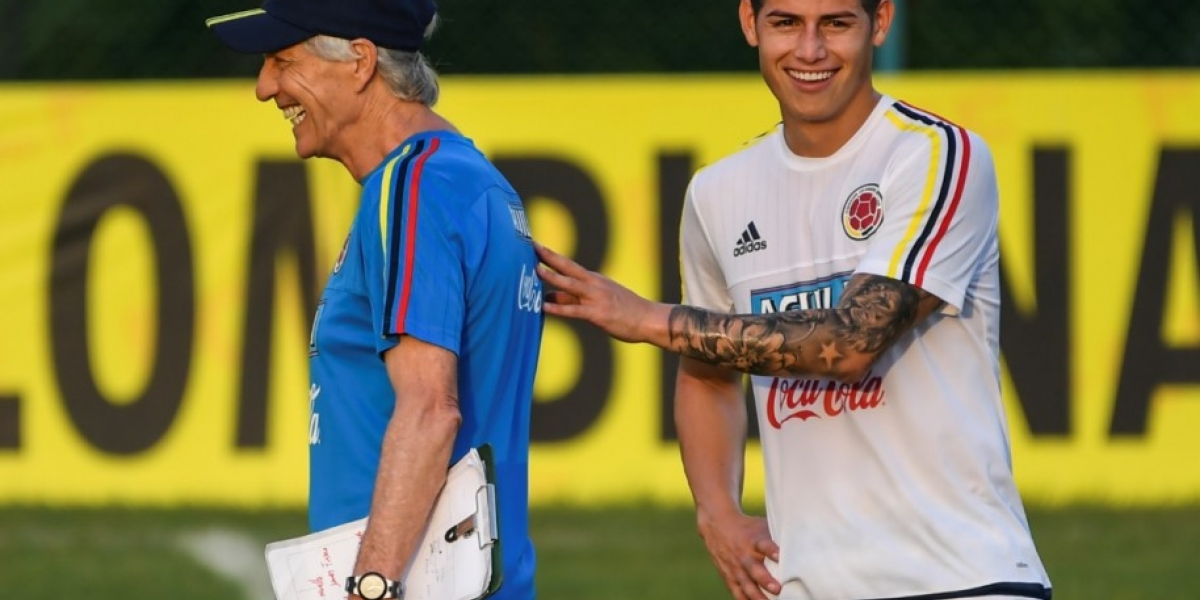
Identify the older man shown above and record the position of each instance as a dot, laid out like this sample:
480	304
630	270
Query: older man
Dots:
426	338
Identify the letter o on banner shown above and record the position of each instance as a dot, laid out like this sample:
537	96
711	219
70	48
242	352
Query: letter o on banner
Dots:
122	180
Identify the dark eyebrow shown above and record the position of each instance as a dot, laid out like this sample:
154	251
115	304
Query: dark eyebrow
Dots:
840	16
779	13
848	14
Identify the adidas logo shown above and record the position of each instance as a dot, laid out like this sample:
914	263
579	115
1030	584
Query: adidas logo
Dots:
749	242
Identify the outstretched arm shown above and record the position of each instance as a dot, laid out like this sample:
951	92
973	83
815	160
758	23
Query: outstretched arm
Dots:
839	342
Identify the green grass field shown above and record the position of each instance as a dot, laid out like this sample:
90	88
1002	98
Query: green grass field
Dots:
637	552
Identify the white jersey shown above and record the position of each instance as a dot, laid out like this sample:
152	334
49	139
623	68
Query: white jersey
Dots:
899	484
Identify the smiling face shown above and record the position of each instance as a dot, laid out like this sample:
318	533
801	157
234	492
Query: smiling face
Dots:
314	95
815	56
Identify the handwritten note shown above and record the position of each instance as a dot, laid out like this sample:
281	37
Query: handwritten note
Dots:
453	561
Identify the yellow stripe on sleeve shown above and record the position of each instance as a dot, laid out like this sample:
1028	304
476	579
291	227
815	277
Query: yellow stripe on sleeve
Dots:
386	204
926	197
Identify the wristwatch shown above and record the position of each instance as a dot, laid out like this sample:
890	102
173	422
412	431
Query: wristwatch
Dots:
373	586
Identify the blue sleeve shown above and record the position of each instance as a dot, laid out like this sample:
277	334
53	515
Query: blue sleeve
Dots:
415	255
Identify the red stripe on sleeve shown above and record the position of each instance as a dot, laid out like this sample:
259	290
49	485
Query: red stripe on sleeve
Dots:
958	191
410	235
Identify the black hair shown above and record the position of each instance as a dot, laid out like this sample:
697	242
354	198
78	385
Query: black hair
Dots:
868	5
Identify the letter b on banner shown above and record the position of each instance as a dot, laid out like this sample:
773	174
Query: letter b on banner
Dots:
556	419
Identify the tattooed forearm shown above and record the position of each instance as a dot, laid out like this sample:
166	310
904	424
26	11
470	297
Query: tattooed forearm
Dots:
875	310
750	343
838	342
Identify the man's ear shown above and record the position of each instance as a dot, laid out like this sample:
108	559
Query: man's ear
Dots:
746	16
367	61
883	22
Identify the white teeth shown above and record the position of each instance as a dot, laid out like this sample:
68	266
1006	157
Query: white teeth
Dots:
810	76
295	114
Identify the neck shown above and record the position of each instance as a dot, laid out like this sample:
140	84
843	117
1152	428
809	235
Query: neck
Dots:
384	123
822	138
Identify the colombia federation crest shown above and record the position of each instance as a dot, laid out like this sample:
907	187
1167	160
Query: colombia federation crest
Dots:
863	212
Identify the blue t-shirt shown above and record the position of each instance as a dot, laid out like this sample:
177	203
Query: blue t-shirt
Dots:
440	250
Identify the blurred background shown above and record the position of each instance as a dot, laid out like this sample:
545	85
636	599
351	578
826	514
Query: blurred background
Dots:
139	39
136	490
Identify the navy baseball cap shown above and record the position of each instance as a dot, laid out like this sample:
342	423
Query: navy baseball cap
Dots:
394	24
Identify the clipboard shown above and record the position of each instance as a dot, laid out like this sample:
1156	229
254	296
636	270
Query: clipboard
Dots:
458	558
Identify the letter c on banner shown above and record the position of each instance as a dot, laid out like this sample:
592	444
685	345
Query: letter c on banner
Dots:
133	182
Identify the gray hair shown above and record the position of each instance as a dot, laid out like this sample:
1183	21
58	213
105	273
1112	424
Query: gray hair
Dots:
407	74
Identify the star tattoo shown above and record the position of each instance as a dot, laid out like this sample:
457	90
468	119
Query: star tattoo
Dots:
830	354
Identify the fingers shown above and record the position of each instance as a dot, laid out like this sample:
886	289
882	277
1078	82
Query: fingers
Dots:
738	582
744	574
768	548
554	278
559	262
740	548
761	578
560	297
561	304
558	271
562	273
742	584
590	296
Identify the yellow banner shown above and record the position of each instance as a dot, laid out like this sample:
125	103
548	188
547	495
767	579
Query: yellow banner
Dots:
161	248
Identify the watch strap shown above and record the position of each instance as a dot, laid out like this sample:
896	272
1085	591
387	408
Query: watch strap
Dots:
392	589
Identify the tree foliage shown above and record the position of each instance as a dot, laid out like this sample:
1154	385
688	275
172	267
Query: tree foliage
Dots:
118	39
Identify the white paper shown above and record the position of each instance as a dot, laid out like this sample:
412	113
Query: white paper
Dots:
315	566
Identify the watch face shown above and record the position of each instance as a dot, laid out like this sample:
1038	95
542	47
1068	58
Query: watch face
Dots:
372	586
